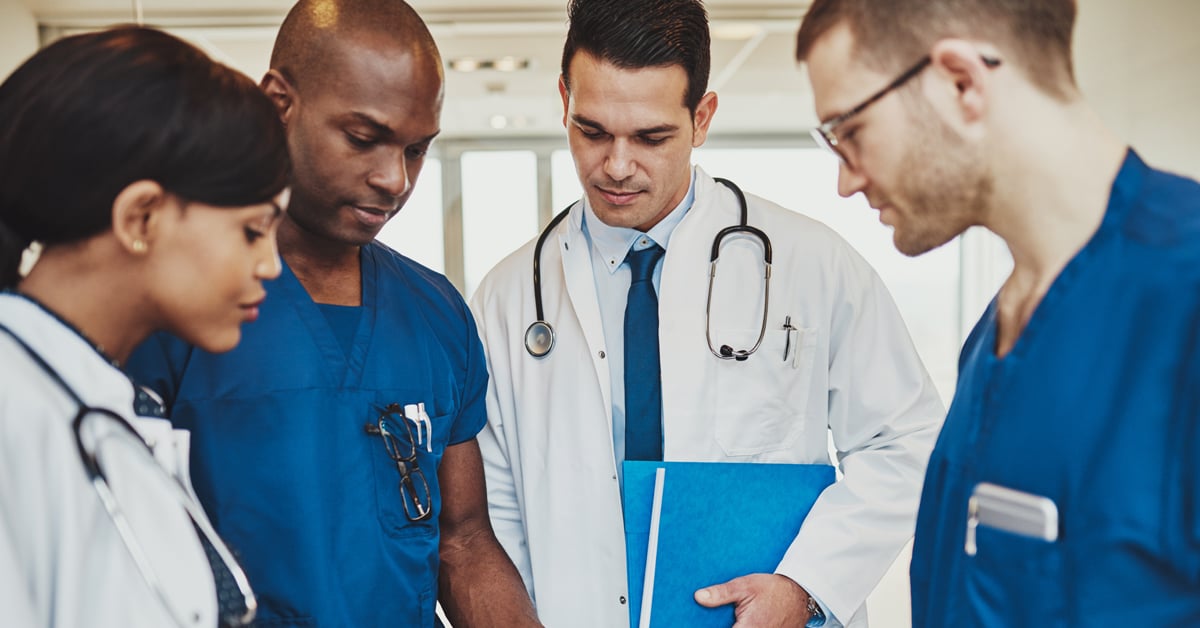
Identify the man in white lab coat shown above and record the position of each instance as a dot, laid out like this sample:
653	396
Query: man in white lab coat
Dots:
635	105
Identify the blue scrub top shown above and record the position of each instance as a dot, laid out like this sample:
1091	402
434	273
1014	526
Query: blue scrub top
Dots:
1097	407
281	458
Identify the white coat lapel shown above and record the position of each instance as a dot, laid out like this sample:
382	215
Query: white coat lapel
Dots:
581	291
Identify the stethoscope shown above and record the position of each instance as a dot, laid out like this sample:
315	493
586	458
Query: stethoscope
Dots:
88	448
539	336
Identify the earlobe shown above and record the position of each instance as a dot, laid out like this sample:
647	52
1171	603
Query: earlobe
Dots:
280	91
135	215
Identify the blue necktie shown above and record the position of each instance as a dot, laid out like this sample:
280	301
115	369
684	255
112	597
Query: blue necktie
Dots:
643	383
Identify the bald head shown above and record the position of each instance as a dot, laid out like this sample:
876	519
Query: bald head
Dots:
315	34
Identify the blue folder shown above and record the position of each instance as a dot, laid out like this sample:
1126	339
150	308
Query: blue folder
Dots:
717	521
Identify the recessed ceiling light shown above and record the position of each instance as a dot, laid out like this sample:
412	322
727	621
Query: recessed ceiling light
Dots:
500	64
464	64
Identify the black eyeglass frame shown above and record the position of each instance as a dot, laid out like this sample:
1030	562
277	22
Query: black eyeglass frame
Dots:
825	133
415	509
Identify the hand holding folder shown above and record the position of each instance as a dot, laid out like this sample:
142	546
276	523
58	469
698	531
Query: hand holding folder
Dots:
689	525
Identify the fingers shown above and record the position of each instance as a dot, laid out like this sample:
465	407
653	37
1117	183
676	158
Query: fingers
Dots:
731	592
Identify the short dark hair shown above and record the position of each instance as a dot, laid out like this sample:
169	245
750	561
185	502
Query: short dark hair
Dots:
90	114
890	34
642	34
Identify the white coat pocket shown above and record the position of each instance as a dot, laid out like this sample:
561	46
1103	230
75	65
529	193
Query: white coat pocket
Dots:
761	402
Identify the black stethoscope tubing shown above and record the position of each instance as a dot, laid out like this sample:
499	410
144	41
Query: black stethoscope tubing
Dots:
539	336
99	481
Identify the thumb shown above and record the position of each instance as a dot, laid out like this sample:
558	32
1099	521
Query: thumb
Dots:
720	594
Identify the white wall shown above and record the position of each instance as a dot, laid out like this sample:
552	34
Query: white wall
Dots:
18	35
1136	64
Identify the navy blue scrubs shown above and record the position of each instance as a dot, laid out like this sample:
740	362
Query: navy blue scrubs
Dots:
1097	407
282	459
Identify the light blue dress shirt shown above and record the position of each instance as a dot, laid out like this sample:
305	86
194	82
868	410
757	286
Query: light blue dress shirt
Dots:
608	246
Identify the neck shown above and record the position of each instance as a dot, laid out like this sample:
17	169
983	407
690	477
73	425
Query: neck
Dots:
96	298
329	270
1052	190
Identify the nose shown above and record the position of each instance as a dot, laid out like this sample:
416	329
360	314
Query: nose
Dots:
390	176
619	163
850	180
269	266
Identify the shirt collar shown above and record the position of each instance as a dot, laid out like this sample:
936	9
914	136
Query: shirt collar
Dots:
612	243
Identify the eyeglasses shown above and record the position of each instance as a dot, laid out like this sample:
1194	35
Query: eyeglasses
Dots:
826	133
414	489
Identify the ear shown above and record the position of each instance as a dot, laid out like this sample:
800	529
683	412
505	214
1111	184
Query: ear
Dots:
705	110
967	80
281	92
136	213
565	92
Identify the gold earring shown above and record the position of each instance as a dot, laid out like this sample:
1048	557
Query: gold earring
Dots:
139	246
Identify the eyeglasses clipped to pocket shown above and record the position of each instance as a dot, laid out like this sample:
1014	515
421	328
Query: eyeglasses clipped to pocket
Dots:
405	430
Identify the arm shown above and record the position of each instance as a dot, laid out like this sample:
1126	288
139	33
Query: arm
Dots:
884	415
500	472
15	587
14	590
478	584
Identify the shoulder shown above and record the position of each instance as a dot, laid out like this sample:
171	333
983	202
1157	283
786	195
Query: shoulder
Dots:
29	400
800	239
413	275
1165	215
412	283
510	275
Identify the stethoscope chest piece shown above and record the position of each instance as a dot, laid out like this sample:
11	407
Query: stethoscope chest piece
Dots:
539	339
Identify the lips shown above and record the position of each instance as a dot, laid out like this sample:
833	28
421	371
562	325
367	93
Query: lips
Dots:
372	216
619	197
250	310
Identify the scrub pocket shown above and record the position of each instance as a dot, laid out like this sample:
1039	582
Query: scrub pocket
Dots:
761	403
1015	580
390	501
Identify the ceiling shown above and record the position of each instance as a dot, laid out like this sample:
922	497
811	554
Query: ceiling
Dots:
1122	49
760	88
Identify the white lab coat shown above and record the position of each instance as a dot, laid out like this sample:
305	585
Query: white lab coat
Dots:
62	563
548	453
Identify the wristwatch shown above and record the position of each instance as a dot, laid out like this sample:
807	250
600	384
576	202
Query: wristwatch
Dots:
816	616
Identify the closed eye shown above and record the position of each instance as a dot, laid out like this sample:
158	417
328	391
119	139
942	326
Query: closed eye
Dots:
592	134
359	142
252	235
418	152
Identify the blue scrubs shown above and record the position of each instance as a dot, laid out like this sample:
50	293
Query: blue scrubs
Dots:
1097	407
281	458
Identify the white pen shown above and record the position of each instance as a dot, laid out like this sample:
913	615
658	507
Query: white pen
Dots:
428	427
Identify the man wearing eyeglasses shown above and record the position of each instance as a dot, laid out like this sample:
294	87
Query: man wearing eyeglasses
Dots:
335	447
1065	486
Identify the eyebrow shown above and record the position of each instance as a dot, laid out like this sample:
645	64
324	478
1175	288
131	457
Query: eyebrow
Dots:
663	128
385	130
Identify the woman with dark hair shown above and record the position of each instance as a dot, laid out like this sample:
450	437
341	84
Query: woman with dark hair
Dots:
153	179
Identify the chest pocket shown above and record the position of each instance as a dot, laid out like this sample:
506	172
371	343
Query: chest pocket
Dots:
1014	580
405	472
761	402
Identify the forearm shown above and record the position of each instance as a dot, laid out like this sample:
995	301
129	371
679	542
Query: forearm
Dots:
478	584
